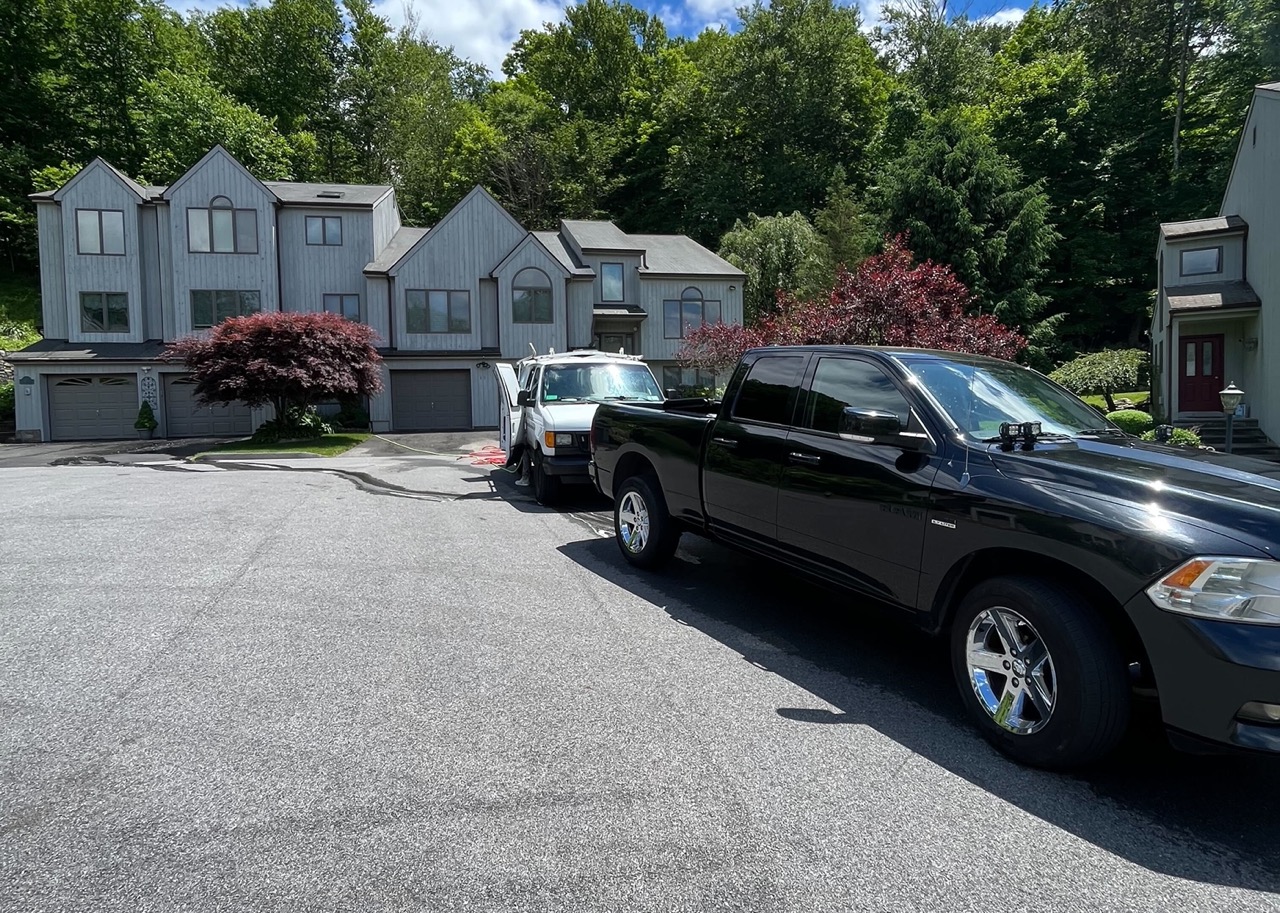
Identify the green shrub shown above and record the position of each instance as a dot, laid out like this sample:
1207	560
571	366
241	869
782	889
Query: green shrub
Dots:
1132	421
6	402
352	414
1181	437
146	420
296	425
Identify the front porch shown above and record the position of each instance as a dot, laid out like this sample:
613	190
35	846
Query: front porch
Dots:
1202	354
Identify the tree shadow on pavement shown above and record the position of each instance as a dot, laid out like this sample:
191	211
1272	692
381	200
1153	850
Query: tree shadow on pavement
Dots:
1206	818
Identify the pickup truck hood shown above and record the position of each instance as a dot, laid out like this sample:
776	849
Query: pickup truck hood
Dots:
1236	496
568	416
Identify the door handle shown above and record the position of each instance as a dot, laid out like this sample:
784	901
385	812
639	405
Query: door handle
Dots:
726	442
808	459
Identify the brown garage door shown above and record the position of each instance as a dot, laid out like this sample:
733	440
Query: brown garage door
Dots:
93	406
184	417
431	400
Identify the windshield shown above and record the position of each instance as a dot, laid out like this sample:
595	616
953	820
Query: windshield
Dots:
979	397
581	383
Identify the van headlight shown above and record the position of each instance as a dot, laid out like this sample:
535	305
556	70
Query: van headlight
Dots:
554	440
1223	589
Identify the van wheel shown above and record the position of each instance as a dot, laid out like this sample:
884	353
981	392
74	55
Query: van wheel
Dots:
645	531
546	488
1039	672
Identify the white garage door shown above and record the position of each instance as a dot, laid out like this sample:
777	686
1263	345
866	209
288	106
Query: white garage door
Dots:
93	406
184	417
431	400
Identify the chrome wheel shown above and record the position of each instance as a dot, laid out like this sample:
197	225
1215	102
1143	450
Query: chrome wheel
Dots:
633	522
1011	671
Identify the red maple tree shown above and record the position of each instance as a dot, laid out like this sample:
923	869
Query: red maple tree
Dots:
289	360
890	300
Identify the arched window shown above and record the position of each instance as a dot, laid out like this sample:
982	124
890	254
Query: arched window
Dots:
531	297
222	229
689	313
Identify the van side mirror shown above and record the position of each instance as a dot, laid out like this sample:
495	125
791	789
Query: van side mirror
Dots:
522	398
867	423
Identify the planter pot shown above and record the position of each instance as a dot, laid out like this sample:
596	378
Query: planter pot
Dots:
145	433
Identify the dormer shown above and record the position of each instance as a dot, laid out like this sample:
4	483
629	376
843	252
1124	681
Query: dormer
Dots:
1202	251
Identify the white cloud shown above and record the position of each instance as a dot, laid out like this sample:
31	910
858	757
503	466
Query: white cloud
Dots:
479	30
872	13
1010	15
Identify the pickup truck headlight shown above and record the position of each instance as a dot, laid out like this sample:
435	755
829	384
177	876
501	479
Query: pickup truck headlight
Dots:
1223	589
554	440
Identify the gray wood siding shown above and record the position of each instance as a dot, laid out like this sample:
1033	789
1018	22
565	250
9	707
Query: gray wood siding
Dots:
98	189
1232	260
630	276
308	272
653	345
456	255
219	176
386	222
376	307
516	337
164	244
1253	193
581	293
53	280
484	389
152	296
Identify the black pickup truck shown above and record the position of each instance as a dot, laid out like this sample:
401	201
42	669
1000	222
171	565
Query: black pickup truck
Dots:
1070	565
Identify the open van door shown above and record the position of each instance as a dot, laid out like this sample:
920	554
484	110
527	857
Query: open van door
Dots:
510	413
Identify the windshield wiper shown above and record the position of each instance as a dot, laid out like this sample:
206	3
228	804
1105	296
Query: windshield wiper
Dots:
1111	431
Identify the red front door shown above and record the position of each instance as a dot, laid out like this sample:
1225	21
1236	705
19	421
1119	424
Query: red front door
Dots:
1200	370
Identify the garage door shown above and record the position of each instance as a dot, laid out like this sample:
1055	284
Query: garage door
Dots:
185	418
431	400
96	406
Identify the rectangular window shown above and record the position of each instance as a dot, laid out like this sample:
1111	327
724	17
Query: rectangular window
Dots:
842	383
324	230
769	392
100	231
222	230
104	312
611	282
679	317
209	307
531	305
437	311
347	306
678	381
1202	262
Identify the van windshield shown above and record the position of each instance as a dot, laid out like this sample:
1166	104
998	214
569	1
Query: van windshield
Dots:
581	383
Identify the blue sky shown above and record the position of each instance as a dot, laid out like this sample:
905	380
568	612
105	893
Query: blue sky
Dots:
483	30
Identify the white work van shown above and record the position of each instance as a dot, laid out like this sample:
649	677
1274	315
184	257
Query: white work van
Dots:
545	407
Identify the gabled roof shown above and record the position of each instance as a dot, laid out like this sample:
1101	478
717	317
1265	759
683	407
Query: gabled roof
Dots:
681	255
1270	87
532	238
555	246
62	350
476	191
296	194
599	236
1196	228
1211	296
98	163
401	243
215	151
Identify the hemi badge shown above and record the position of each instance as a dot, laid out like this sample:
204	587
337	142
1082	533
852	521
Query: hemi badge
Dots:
945	523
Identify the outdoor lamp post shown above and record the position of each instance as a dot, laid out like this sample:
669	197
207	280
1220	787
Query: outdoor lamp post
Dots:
1231	398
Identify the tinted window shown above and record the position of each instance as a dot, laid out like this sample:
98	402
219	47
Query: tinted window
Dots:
768	393
840	383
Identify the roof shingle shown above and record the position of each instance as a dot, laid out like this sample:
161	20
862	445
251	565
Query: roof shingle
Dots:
1211	296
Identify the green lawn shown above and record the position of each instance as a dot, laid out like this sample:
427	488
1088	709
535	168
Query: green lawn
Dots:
19	309
327	446
1098	402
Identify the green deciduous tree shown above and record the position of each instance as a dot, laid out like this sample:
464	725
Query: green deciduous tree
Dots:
1107	372
778	254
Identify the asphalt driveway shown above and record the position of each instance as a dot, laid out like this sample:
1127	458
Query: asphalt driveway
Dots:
228	688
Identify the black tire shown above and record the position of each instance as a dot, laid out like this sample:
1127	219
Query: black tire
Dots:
661	535
1089	710
546	488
